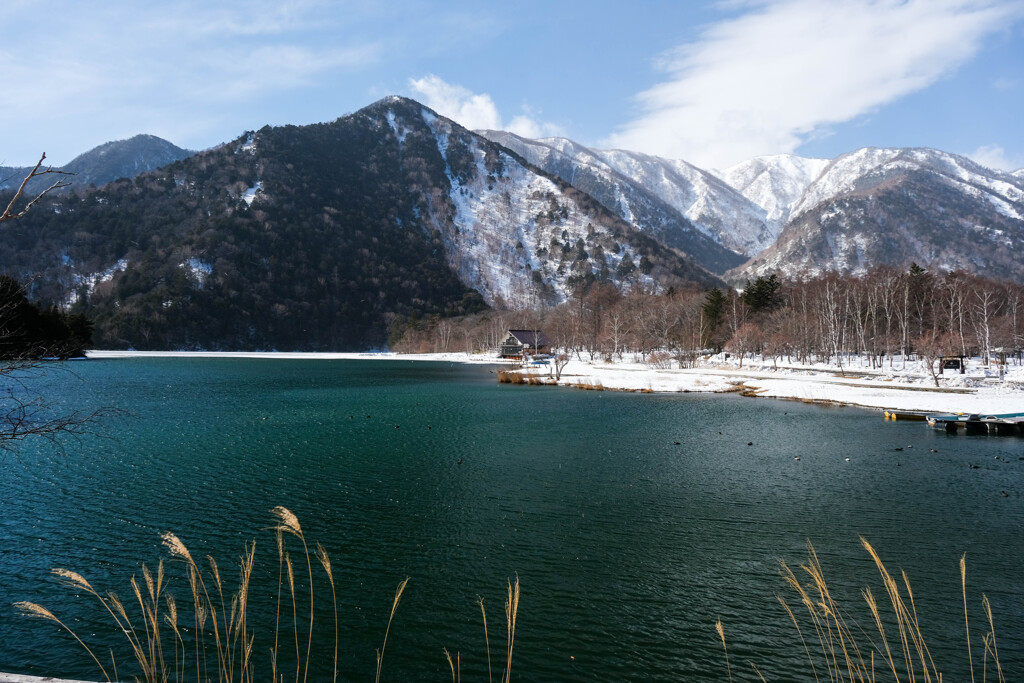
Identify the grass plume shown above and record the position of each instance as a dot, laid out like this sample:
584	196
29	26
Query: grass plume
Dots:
487	639
325	562
721	634
394	608
511	611
849	653
289	523
456	678
35	610
216	642
967	625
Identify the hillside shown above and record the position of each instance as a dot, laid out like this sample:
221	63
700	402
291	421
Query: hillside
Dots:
105	163
797	216
897	206
320	237
657	196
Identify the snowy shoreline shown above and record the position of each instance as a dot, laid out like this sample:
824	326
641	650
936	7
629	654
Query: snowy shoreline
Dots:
909	389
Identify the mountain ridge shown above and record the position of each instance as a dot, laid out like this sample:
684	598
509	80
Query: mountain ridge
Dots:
899	205
609	178
104	163
326	236
785	191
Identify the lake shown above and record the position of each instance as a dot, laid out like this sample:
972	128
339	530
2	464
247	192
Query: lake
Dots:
633	521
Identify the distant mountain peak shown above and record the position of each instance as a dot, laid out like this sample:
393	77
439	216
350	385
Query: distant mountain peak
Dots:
110	161
809	215
893	206
775	183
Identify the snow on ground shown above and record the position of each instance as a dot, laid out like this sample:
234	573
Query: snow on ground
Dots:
250	195
90	281
896	388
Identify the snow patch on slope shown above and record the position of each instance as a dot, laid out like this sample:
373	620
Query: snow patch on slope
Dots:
513	230
249	145
199	270
250	194
775	183
399	132
90	280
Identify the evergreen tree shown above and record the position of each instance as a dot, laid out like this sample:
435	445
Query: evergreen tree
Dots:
763	294
28	332
713	310
626	266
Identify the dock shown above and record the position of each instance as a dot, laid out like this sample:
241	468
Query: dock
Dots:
1005	424
902	415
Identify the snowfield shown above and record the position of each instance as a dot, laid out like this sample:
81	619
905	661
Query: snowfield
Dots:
908	388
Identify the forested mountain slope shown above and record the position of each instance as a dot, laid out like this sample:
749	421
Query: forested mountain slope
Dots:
100	165
319	237
899	206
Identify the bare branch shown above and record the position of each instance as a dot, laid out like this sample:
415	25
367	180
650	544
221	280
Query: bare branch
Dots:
24	414
10	213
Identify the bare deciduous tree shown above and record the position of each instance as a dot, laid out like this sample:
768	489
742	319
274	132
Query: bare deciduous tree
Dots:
23	412
12	211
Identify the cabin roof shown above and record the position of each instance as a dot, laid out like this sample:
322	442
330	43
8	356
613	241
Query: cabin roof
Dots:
532	338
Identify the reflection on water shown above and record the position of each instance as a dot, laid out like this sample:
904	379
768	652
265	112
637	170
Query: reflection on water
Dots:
634	522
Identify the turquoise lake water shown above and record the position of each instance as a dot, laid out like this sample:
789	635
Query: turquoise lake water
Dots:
633	522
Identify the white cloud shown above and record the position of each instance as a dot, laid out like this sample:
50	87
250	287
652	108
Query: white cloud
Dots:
528	126
196	19
475	111
253	71
766	81
191	71
994	156
457	103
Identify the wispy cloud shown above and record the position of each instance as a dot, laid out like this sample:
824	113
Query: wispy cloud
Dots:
243	71
93	72
994	156
256	18
476	111
768	80
1005	84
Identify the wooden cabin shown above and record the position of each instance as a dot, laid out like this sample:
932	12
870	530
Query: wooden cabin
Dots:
519	343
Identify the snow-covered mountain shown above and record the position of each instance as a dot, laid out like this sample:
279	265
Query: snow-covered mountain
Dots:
329	236
711	204
774	183
896	206
798	215
518	236
674	202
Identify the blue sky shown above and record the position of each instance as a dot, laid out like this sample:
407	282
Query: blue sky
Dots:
713	83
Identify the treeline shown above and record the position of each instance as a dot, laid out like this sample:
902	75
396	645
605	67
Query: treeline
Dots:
884	314
28	332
